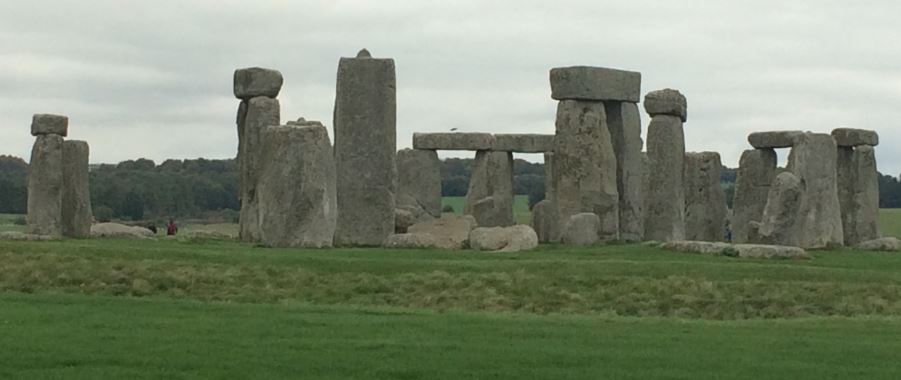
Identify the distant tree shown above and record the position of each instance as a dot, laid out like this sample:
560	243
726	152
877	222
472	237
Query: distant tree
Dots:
13	185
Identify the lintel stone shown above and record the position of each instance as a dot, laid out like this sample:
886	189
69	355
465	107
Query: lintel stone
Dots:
850	137
453	141
666	102
595	83
255	81
524	143
774	139
45	124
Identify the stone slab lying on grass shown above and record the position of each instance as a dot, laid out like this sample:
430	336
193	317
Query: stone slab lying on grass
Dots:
21	236
450	232
505	239
116	230
890	244
752	251
419	240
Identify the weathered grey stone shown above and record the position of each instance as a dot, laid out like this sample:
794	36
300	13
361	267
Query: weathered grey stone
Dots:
45	186
410	241
595	83
585	166
261	112
403	219
666	102
449	232
624	123
749	251
523	143
301	122
453	141
365	149
545	221
705	200
490	195
255	81
45	124
858	190
116	230
645	187
851	137
419	180
774	139
782	214
813	160
756	172
665	214
888	244
296	188
505	239
549	186
581	229
20	236
76	204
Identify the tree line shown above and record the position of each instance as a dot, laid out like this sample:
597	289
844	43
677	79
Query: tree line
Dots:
141	189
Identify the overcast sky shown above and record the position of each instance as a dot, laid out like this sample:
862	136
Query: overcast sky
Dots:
154	78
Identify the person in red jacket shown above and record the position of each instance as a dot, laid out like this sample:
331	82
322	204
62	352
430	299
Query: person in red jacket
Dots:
171	228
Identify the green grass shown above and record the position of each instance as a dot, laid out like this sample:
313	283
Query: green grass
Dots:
90	337
521	212
890	222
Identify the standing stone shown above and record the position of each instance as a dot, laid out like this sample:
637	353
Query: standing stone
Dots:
624	122
585	166
813	160
419	181
76	202
858	189
261	112
665	214
545	221
705	200
45	186
490	195
365	148
549	192
296	189
781	216
756	172
645	185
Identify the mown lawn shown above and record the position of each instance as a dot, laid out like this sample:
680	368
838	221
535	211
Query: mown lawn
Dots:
92	337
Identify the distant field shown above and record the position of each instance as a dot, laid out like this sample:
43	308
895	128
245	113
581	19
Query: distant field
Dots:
520	207
890	222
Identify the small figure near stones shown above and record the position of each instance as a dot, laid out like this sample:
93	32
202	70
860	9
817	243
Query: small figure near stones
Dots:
171	228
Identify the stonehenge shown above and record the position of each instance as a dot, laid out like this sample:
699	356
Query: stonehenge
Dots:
419	182
756	172
257	88
858	184
665	214
705	200
365	148
59	198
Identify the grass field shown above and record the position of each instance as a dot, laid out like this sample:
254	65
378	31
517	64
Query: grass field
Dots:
86	309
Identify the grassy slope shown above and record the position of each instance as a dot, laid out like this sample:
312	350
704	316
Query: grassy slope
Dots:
81	337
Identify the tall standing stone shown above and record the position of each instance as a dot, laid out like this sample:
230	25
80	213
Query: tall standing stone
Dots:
858	188
45	186
756	172
490	196
585	166
705	200
365	148
624	122
545	221
296	188
76	199
781	218
665	216
549	192
419	181
813	160
262	112
257	89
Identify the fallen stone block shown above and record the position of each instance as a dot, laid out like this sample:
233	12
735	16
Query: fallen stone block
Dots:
450	232
888	244
407	240
595	83
750	251
116	230
581	229
506	239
